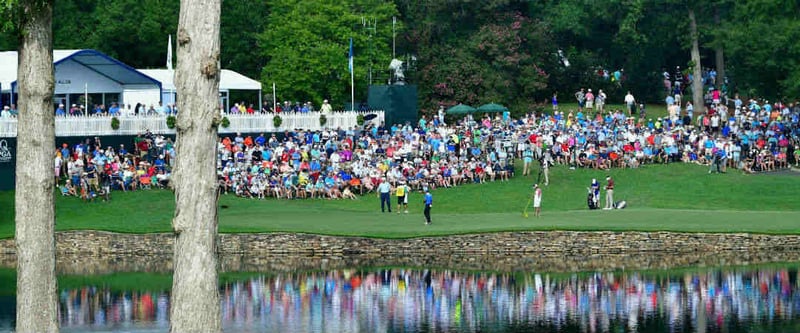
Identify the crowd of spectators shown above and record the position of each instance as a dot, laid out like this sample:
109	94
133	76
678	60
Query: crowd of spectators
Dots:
116	109
338	163
90	171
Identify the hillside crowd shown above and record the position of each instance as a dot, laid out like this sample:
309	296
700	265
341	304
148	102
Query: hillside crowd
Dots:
751	136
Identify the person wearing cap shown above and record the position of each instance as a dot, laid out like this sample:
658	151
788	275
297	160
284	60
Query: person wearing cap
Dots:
589	99
60	110
537	200
402	196
609	193
428	200
384	192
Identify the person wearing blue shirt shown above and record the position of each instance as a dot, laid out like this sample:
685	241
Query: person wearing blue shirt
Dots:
159	163
114	109
261	140
296	160
60	111
315	166
428	200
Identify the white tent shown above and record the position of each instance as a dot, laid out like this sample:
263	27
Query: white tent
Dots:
229	80
84	72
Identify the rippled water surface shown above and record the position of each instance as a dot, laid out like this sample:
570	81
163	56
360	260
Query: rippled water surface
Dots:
751	299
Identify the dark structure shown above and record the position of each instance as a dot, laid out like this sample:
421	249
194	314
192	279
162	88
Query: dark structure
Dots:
398	101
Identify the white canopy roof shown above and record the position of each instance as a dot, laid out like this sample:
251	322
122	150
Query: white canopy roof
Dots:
229	80
90	59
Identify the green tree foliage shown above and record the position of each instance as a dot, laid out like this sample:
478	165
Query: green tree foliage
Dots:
75	23
761	40
306	43
476	53
466	51
242	22
9	20
497	63
135	31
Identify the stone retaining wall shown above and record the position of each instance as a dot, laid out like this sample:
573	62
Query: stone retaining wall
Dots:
95	252
561	242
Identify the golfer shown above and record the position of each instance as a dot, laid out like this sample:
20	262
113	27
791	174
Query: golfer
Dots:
537	200
609	193
428	204
384	192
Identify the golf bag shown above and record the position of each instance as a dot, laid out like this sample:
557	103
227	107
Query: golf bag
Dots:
590	200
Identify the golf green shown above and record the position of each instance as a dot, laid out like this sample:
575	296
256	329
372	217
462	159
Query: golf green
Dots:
674	197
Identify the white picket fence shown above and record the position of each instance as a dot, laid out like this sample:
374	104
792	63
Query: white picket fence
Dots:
245	123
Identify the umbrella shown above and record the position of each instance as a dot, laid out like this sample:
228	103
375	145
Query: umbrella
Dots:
370	116
492	107
460	109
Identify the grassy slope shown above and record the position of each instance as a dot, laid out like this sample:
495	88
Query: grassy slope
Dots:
676	197
653	110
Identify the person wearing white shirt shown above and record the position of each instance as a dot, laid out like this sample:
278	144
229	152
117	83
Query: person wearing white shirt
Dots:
326	107
630	102
384	193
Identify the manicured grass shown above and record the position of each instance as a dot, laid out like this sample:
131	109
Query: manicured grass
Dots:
675	197
653	110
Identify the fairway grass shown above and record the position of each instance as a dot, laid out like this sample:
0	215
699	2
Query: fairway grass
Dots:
676	197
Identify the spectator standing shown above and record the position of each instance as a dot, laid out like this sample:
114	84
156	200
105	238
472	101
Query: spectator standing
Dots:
428	200
600	100
589	99
581	97
326	107
384	192
630	102
60	110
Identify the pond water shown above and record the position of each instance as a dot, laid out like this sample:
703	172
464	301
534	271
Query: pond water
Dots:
740	299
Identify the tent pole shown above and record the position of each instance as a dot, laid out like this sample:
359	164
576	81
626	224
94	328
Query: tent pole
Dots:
260	101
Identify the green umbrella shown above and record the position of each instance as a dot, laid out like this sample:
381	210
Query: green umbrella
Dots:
460	109
492	107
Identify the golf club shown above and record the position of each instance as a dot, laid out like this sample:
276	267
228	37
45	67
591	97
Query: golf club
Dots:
525	210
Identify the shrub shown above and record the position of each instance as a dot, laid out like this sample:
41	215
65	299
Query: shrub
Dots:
114	123
225	122
170	122
277	121
360	120
322	120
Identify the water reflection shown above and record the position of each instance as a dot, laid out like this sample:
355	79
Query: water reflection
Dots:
401	300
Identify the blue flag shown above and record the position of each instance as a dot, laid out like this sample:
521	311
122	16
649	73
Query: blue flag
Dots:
350	58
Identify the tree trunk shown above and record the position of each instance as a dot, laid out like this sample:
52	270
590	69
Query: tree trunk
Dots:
37	302
195	294
719	52
697	75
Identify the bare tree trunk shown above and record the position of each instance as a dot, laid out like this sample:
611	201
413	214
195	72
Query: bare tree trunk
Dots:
37	302
697	75
719	52
195	293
